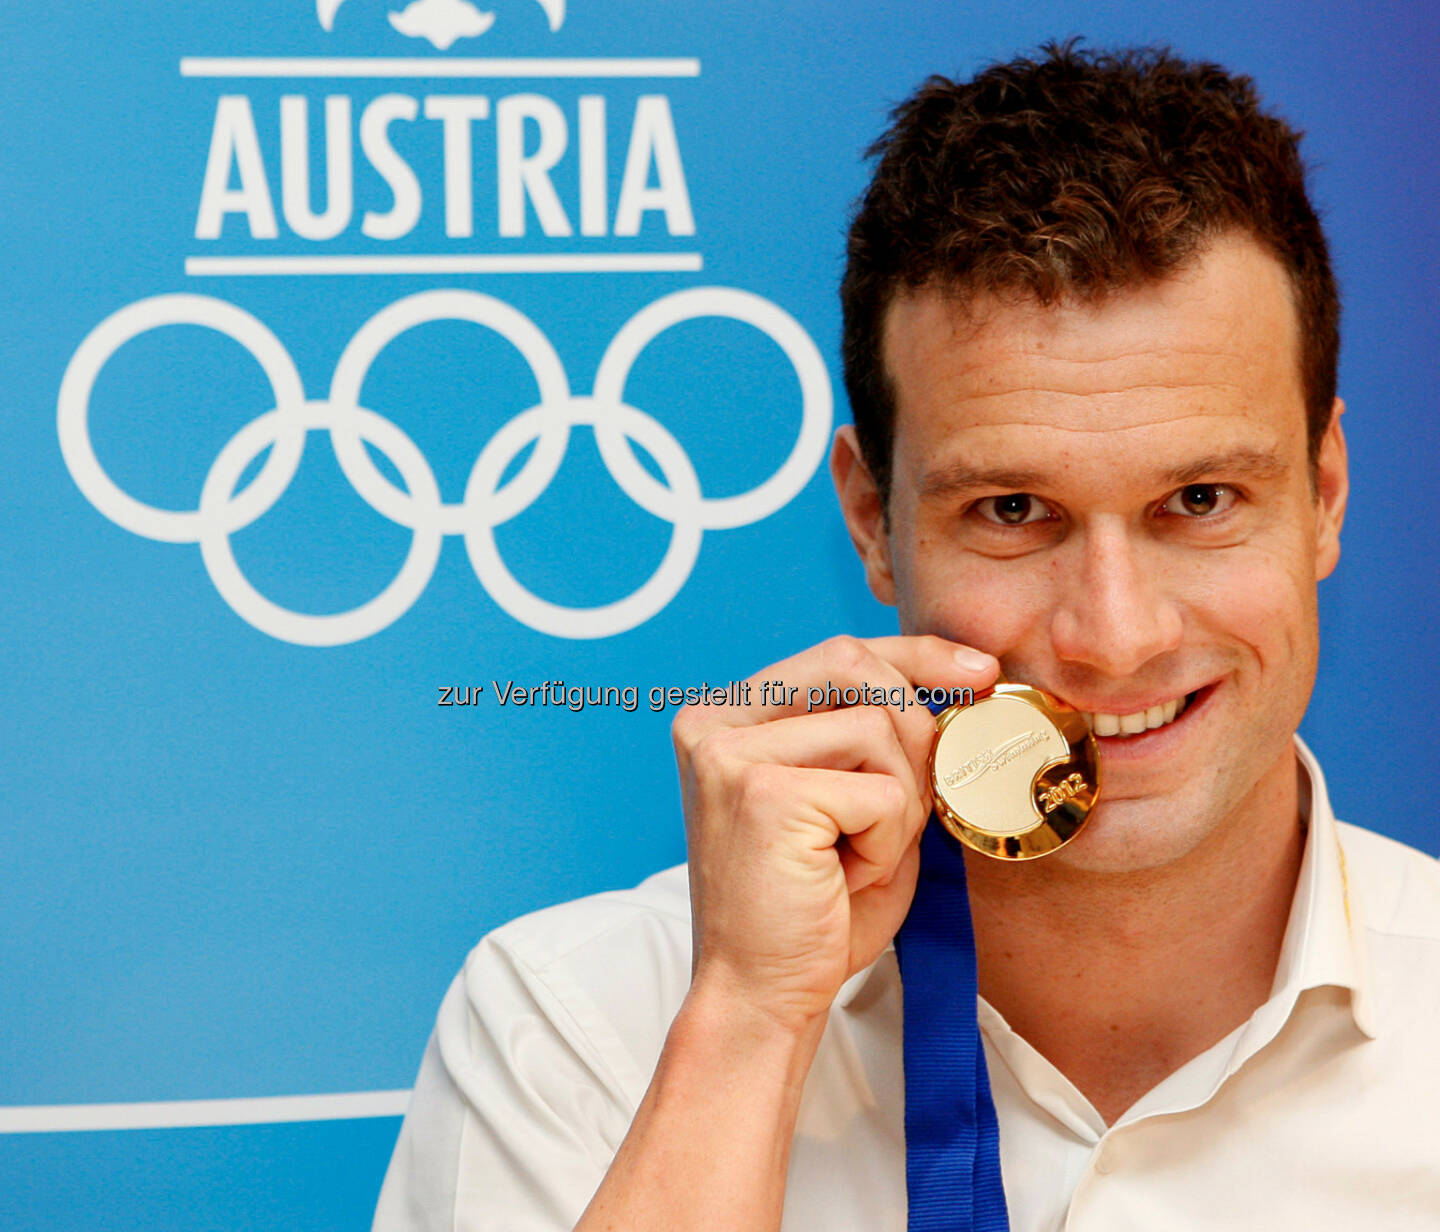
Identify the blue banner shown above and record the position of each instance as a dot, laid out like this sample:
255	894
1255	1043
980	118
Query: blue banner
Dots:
408	403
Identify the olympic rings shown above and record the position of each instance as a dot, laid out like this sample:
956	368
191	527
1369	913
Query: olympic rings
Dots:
308	630
746	507
413	310
612	618
130	322
486	503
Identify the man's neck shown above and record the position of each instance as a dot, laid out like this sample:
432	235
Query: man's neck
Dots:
1118	979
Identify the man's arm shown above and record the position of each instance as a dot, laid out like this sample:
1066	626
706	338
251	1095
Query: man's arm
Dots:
803	830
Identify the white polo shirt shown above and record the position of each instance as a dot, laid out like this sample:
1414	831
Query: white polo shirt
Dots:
1322	1112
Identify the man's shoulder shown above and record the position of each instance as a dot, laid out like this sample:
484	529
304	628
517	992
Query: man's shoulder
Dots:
657	911
1398	886
606	973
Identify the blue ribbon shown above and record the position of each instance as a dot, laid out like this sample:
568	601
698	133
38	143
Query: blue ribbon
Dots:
952	1139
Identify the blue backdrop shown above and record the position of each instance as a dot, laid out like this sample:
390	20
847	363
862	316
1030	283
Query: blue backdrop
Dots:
247	849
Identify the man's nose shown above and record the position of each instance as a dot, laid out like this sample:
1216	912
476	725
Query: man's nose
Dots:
1112	612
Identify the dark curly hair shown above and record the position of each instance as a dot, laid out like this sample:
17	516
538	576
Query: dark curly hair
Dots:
1074	174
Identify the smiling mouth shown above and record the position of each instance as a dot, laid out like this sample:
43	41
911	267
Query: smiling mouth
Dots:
1141	721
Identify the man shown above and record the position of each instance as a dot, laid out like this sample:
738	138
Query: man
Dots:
1090	344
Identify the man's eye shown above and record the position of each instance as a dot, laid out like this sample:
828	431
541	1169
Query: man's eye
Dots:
1014	509
1200	500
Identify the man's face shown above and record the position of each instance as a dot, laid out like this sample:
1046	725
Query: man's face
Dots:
1114	500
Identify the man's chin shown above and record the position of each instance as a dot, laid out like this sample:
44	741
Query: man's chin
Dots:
1133	836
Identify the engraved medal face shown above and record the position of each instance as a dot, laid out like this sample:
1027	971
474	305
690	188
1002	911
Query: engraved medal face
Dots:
1015	774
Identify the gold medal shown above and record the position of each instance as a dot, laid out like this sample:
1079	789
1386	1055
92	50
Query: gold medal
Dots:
1015	774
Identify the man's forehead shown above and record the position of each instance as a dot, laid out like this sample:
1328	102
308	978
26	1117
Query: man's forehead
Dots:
1219	331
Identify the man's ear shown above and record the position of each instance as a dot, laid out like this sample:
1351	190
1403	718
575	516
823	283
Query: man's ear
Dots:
864	512
1332	489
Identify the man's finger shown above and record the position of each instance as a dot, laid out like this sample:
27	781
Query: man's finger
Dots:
848	671
858	738
874	814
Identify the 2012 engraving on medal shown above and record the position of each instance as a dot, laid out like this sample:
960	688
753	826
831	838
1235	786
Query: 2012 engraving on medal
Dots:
1068	787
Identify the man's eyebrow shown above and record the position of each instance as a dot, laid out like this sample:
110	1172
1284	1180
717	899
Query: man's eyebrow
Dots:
1241	463
960	477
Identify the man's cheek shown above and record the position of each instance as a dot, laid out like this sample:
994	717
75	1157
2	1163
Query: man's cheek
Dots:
992	616
1260	597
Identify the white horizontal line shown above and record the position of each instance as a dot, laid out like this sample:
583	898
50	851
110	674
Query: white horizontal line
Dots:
191	1113
509	263
380	66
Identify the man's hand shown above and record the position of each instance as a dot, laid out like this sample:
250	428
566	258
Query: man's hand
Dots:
804	830
804	824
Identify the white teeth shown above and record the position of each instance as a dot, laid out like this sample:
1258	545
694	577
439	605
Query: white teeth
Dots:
1132	724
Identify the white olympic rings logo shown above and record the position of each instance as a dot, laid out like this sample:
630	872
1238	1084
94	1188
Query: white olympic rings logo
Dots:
487	502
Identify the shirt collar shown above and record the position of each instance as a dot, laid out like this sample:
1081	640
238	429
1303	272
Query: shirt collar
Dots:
1324	938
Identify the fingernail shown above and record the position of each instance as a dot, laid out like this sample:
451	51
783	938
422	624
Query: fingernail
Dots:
972	660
